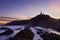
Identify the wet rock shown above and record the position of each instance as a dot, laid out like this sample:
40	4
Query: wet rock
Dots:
47	36
39	31
25	34
7	32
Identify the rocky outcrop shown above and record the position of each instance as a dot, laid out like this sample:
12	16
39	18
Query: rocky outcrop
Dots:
47	36
25	34
7	32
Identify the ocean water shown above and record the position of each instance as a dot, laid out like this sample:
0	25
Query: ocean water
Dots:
33	29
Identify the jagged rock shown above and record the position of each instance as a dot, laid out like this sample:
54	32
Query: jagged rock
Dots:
7	32
25	34
47	36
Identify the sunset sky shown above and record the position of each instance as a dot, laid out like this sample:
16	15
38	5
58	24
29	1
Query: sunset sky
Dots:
29	8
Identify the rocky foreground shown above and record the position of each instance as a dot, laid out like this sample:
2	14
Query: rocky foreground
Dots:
31	33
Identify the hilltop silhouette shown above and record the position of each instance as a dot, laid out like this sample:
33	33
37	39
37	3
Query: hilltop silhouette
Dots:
39	20
18	22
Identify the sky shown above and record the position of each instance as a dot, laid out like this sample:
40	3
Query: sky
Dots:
29	8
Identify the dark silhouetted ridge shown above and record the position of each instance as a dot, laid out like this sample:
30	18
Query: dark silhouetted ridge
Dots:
39	20
18	22
41	17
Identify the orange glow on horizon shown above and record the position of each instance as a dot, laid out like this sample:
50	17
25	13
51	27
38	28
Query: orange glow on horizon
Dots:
56	17
3	22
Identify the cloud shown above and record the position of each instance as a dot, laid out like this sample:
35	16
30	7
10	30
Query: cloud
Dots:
7	18
21	17
4	20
